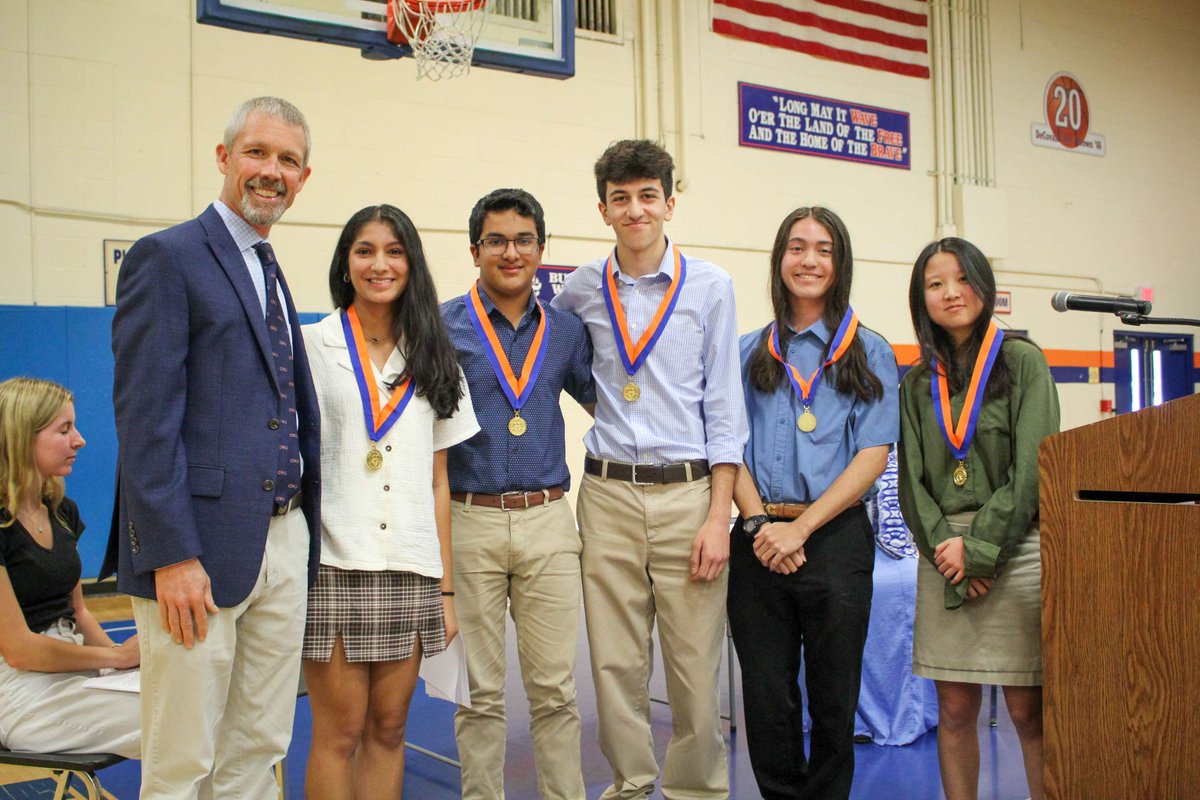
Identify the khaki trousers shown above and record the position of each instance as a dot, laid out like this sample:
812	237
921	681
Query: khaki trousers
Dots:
216	718
525	562
637	543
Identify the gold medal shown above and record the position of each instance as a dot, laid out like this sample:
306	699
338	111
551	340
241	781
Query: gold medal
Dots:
517	426
807	421
631	392
374	458
960	474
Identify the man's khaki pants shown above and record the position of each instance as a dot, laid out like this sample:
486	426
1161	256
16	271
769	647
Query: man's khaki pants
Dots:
525	562
218	717
637	543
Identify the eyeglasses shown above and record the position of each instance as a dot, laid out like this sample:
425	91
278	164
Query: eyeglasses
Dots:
496	245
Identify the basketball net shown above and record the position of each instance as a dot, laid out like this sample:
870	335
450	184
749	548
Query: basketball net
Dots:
441	33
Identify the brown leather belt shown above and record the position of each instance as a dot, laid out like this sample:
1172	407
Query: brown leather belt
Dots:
510	501
646	474
292	505
785	510
793	510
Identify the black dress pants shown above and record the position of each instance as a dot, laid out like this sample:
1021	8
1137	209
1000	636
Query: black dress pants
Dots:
822	612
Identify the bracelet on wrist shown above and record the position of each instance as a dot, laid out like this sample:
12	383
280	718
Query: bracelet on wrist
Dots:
447	594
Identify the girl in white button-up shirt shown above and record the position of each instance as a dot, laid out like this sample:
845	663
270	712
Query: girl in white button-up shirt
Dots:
384	592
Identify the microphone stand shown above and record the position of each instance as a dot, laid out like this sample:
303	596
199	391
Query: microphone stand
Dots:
1133	318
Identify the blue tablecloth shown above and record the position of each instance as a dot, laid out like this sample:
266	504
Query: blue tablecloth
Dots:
894	706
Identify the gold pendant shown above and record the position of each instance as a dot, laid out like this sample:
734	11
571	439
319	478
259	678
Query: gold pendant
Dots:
374	458
960	474
631	392
516	425
807	421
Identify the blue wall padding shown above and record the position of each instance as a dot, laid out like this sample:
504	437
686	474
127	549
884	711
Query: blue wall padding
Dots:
73	346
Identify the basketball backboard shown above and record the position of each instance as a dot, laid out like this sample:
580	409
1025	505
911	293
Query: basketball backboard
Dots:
531	36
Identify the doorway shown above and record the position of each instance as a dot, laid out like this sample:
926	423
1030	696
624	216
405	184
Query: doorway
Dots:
1151	368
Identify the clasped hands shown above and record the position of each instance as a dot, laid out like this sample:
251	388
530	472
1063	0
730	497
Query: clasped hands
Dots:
780	546
950	558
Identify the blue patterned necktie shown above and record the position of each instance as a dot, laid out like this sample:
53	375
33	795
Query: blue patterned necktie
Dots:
287	472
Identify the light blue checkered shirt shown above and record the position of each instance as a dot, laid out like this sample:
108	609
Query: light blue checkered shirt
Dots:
245	237
691	406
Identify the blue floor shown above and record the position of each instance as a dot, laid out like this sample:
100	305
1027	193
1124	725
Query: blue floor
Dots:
882	773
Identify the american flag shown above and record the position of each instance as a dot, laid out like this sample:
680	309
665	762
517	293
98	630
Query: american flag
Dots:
890	35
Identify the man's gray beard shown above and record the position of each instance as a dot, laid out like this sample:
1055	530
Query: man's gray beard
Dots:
260	216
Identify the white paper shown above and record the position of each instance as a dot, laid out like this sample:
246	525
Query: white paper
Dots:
445	674
126	680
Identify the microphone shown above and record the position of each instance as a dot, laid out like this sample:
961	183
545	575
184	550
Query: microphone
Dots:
1069	301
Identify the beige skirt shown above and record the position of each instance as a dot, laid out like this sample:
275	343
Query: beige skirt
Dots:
994	639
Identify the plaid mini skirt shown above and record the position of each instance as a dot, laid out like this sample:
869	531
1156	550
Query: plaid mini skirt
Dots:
378	615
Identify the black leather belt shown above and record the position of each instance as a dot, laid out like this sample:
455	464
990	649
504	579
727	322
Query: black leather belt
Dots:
291	505
646	474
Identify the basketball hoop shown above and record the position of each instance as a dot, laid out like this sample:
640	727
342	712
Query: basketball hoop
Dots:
441	33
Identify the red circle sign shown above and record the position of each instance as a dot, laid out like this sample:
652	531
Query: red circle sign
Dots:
1066	110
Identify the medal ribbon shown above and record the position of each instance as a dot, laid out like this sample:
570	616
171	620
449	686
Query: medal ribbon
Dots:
634	355
837	347
379	419
960	436
518	389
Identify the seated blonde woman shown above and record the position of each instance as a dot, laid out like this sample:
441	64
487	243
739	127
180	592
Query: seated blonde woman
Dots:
49	643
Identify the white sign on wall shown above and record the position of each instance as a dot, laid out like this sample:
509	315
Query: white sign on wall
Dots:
1067	119
114	252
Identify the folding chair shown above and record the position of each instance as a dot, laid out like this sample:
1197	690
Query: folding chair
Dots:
63	766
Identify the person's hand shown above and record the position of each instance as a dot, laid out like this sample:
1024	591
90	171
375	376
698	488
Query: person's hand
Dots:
950	559
450	617
978	587
710	552
792	563
184	601
129	653
776	541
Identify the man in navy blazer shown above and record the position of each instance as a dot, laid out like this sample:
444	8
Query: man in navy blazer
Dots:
217	528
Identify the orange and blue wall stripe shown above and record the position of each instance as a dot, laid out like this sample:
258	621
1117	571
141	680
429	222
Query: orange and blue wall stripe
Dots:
1067	366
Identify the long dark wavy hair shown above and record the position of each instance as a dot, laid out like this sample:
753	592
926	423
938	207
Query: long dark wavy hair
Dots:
958	362
852	373
417	324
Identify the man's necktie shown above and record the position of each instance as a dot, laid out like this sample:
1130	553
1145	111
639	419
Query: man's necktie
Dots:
287	473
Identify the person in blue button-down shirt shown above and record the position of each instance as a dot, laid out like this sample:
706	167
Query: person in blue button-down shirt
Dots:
515	542
802	553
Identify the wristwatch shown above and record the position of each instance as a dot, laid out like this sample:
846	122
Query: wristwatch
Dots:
751	525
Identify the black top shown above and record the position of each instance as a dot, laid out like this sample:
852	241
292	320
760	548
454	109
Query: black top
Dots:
43	579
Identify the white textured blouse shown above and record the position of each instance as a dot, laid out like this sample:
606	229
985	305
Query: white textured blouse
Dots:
383	519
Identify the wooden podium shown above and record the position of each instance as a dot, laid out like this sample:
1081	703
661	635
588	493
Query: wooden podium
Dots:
1121	606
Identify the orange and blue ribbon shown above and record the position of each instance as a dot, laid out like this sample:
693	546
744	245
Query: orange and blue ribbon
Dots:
959	436
517	388
837	347
634	355
379	419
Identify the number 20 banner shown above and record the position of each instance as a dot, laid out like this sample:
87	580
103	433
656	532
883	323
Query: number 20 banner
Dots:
1067	119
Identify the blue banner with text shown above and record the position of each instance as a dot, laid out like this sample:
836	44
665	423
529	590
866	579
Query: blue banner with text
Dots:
549	281
775	119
